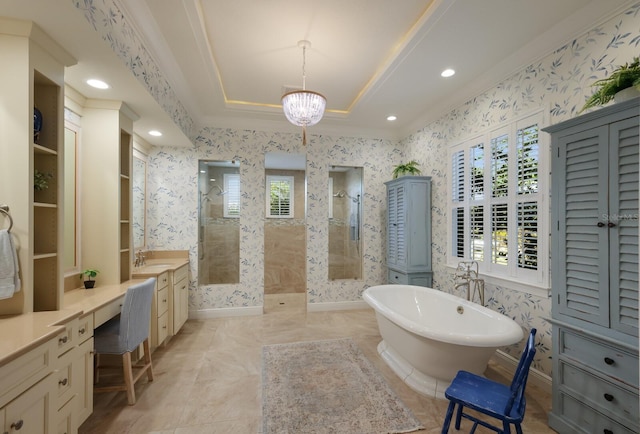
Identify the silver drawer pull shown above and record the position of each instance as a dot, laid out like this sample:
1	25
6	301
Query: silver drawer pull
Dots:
63	382
609	361
63	340
608	397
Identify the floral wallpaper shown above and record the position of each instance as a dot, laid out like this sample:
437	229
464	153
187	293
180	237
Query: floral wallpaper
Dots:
559	82
107	19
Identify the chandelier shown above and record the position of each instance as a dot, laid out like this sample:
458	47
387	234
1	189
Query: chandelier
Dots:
303	108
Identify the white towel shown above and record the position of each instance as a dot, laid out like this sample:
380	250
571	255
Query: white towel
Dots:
9	269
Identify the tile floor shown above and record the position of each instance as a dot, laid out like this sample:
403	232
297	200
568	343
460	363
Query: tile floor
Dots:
208	377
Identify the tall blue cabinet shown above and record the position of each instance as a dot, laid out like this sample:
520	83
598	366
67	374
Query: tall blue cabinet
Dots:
595	271
409	230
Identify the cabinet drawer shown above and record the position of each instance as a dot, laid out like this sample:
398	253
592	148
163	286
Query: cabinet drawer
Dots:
162	280
398	278
65	418
106	312
67	339
180	273
587	420
611	361
163	327
17	375
65	377
85	328
606	397
163	301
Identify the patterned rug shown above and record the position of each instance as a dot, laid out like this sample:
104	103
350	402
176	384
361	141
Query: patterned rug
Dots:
328	387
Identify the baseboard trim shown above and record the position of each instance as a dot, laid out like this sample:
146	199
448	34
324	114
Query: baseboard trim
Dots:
537	378
225	312
341	305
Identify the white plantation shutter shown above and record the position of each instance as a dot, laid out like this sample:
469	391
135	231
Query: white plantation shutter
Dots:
499	166
476	232
497	221
528	235
476	176
499	233
457	176
458	232
231	203
280	196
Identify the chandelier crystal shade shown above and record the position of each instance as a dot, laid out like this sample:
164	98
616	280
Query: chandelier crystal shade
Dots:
303	108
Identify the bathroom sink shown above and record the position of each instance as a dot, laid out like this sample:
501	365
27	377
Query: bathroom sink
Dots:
155	265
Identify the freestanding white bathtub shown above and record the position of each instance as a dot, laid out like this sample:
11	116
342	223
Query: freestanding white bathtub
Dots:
429	335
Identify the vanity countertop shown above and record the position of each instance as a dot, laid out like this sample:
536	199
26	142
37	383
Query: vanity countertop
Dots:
155	267
21	333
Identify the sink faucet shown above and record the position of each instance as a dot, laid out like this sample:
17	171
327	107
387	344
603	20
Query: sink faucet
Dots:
139	259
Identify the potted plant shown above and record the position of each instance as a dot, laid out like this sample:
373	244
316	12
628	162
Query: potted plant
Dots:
90	273
41	180
410	168
623	77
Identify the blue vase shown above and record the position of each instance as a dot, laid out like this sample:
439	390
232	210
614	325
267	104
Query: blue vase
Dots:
37	124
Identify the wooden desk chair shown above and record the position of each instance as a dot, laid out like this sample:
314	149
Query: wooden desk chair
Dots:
502	402
122	335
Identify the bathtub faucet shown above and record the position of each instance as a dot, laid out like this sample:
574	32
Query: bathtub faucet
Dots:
467	276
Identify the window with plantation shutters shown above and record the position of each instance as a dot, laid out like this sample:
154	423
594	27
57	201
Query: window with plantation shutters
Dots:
497	210
231	203
279	196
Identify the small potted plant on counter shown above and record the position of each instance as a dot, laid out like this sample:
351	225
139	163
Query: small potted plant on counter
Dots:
410	168
90	273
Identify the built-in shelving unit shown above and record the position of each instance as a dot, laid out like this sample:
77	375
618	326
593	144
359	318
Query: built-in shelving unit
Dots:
47	159
32	76
107	155
126	235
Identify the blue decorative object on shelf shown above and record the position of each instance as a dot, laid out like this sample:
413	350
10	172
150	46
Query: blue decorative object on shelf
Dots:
37	124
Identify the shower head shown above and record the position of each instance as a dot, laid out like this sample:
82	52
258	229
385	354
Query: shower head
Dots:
221	192
340	194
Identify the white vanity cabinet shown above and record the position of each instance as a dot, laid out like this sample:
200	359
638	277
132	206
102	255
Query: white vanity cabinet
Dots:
160	311
180	284
28	389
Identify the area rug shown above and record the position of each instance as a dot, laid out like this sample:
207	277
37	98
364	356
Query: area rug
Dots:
328	387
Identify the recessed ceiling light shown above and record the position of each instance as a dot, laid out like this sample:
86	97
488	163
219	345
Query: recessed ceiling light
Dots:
392	117
155	133
447	72
98	84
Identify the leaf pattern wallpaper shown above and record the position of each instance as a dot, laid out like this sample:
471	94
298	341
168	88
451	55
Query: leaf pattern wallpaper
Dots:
559	83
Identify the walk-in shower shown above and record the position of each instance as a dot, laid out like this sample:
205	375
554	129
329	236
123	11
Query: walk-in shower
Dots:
218	222
345	223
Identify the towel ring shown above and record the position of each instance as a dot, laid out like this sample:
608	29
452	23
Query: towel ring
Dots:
4	209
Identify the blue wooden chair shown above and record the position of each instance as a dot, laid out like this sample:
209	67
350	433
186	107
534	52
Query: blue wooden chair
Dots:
505	403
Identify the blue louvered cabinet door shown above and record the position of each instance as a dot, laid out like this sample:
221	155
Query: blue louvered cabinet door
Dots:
595	224
594	272
409	230
623	225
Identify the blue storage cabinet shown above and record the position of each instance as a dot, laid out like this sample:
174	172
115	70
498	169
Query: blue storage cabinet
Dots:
594	272
409	231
